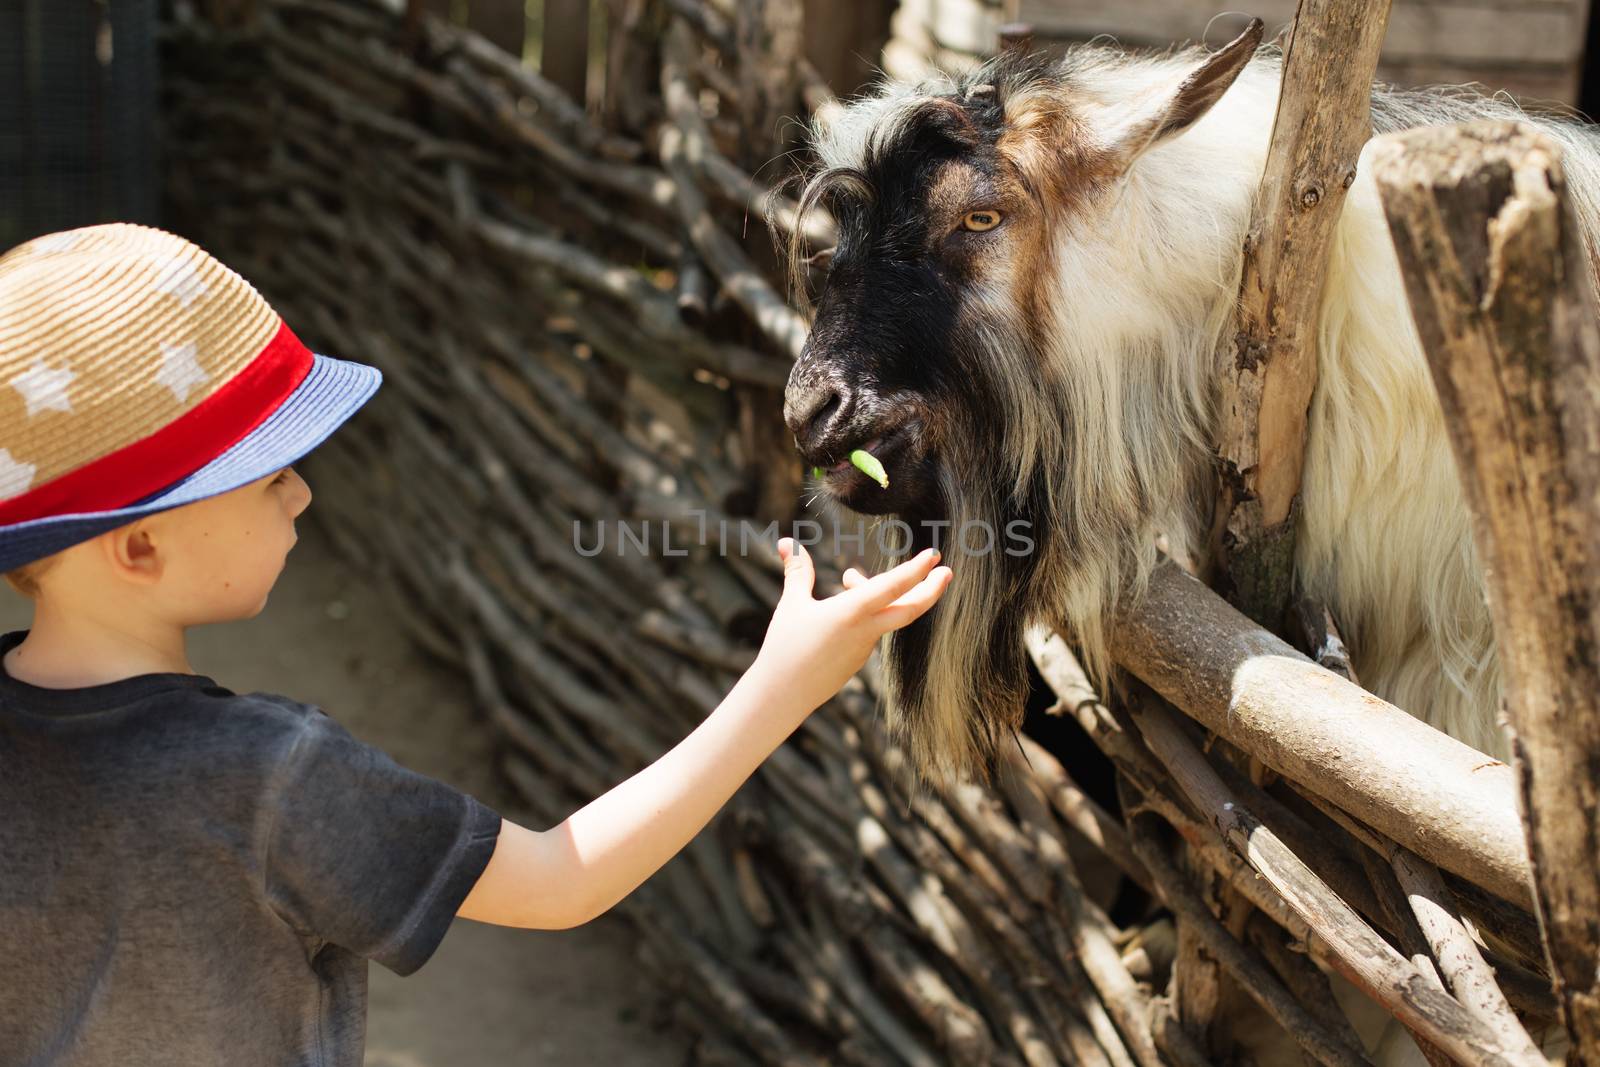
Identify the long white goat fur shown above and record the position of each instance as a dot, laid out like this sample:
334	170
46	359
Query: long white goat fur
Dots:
1149	275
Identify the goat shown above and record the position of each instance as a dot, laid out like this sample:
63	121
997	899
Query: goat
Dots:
1035	268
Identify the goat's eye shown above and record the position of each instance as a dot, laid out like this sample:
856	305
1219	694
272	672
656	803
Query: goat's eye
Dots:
979	221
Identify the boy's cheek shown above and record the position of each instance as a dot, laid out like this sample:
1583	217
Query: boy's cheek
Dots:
243	590
224	572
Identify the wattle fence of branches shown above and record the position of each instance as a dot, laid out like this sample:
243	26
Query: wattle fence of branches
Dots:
581	327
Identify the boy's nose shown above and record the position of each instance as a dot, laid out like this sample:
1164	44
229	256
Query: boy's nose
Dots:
302	499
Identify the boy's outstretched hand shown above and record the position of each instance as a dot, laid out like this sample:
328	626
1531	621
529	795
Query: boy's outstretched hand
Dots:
812	646
566	875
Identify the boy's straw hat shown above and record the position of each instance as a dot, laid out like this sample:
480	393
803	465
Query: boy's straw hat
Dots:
137	373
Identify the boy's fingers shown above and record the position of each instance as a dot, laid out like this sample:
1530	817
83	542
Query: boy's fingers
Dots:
903	598
798	574
925	594
876	592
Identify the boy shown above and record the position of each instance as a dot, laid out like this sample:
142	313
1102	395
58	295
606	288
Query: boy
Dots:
193	876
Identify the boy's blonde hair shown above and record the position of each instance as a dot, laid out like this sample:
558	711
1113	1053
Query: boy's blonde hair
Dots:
25	579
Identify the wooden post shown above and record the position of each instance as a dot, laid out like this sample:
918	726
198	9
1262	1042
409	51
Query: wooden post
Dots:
1323	120
844	40
564	54
769	37
633	53
501	21
415	9
1499	280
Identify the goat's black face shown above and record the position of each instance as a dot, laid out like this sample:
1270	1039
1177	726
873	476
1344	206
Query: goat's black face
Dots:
869	379
890	361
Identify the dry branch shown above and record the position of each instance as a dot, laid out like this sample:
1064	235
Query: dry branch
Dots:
1361	955
1462	965
1322	1042
1501	287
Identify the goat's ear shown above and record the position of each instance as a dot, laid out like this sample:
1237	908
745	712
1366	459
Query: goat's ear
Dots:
1172	107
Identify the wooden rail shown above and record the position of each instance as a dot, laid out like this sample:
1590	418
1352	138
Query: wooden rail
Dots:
1440	798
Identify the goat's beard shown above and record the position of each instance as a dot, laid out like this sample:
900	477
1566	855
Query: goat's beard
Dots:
955	681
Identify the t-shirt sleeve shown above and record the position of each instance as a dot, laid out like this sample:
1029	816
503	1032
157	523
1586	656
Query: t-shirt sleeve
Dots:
366	854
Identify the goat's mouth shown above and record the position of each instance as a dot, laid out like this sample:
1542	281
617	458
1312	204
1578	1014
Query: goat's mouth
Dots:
900	450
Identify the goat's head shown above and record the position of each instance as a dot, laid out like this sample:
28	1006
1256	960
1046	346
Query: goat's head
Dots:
936	347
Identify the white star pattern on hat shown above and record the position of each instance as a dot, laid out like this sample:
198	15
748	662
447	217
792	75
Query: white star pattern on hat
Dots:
179	371
181	281
56	242
43	388
14	477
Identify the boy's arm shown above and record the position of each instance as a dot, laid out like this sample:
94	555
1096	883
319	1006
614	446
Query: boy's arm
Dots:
567	875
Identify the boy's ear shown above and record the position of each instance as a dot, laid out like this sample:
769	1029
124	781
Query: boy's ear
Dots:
132	553
1166	110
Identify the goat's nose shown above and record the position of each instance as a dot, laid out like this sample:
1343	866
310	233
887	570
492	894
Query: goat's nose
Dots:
809	408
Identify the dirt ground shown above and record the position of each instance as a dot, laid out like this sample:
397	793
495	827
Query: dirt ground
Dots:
490	995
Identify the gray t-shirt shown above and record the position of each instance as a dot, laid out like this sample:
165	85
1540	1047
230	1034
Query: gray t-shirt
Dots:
193	877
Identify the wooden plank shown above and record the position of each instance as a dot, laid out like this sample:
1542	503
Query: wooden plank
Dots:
1478	34
1458	30
564	55
1498	275
1528	84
